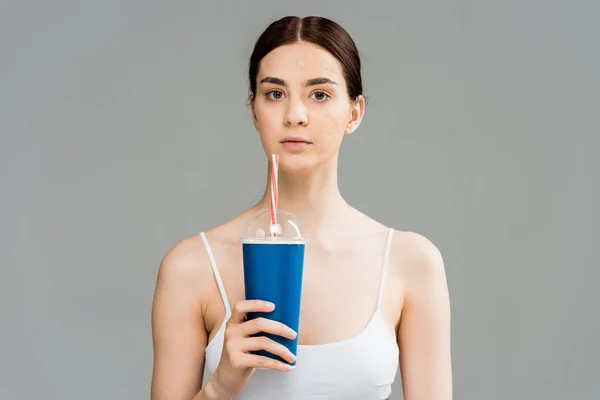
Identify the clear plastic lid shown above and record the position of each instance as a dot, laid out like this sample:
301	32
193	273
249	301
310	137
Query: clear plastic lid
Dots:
258	228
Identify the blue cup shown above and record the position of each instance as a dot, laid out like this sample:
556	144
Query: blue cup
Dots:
273	270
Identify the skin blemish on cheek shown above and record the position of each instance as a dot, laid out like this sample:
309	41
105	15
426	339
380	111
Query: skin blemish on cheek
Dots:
300	63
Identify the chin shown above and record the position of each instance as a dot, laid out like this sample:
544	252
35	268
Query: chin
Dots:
299	163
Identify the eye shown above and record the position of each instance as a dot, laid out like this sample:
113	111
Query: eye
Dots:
321	96
274	95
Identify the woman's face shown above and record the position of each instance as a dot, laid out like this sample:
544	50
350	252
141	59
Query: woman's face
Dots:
301	108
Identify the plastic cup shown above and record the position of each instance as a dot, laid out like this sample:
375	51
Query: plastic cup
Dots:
273	267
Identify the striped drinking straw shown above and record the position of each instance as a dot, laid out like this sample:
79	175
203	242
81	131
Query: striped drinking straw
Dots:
274	194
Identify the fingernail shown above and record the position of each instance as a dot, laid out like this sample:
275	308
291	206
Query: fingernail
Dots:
293	333
269	306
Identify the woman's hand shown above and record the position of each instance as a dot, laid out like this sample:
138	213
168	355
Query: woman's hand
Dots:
237	362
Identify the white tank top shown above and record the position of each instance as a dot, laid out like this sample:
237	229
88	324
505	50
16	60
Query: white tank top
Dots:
362	367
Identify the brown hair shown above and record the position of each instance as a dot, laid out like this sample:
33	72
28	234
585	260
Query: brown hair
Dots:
317	30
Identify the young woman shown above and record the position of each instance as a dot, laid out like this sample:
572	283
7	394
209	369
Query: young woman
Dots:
373	298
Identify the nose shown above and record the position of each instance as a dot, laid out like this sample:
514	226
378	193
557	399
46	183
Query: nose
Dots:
296	114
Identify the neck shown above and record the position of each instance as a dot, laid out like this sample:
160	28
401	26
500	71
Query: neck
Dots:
314	197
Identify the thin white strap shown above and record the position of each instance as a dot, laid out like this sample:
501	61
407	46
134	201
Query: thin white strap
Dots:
215	269
384	268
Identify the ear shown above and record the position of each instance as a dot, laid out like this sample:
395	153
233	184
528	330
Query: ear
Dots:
251	104
357	111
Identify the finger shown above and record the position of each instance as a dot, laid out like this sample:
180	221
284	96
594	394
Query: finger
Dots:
268	326
256	361
241	308
264	343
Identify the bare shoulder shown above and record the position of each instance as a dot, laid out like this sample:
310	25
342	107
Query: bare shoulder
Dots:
413	256
187	265
184	282
419	249
417	260
186	268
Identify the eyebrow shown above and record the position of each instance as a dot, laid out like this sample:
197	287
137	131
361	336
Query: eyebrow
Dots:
310	82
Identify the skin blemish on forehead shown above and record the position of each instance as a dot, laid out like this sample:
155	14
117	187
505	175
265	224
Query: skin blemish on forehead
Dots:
306	60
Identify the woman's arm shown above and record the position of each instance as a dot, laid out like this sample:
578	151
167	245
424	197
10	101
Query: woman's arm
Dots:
424	329
179	335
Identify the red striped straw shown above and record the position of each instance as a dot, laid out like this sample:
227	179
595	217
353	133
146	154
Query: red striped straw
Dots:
274	192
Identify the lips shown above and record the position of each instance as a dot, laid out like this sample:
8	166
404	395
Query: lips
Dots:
296	139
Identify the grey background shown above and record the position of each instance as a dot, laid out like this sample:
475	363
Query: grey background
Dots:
124	128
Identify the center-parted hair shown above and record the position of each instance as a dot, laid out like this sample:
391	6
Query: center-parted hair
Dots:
320	31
